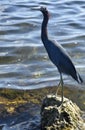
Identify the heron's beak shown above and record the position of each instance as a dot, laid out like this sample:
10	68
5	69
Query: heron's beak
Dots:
36	8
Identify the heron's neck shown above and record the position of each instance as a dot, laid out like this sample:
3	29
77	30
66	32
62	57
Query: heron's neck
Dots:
44	35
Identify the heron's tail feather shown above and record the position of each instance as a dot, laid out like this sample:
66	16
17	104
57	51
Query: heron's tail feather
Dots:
79	79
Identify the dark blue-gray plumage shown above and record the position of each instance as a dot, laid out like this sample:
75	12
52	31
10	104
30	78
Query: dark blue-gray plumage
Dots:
57	53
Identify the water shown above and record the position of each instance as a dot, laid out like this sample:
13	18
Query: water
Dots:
24	63
28	120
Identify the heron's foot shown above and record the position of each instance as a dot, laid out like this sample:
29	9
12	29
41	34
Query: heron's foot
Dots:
62	105
62	100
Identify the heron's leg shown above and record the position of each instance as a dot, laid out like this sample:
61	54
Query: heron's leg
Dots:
61	86
58	87
60	83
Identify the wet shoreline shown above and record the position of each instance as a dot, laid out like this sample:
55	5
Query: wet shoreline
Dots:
11	99
24	106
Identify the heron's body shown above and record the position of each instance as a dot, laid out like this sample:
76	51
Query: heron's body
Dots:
57	53
61	59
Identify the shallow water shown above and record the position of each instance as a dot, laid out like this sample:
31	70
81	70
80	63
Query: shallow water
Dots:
24	63
28	120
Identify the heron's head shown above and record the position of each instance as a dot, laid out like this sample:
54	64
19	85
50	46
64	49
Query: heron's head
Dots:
44	10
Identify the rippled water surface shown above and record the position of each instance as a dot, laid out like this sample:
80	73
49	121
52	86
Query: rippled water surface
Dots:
24	63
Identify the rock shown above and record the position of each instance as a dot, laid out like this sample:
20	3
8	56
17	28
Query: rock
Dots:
55	116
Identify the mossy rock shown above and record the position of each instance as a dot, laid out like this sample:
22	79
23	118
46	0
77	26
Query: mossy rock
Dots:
55	116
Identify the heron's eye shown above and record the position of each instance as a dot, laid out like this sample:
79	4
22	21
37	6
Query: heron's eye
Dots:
45	9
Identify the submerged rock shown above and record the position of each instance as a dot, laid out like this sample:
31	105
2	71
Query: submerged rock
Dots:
55	116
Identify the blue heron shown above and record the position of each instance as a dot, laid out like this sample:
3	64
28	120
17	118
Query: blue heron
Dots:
57	54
